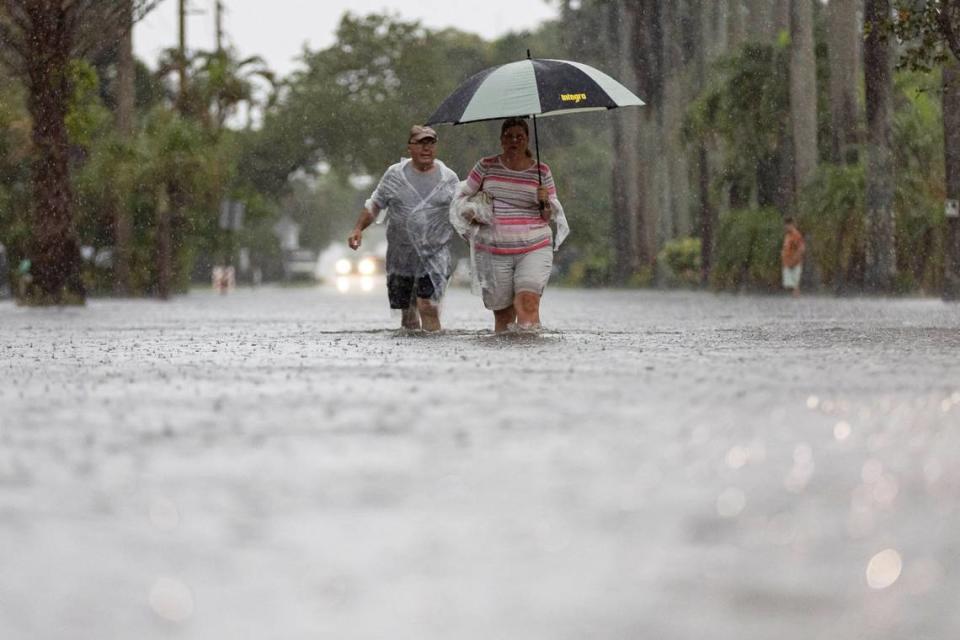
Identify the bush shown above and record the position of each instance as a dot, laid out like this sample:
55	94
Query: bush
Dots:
747	252
589	270
680	262
834	222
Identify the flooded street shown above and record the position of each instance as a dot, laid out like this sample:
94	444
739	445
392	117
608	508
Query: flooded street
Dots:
282	463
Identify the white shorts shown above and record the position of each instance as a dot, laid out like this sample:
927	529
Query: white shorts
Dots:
512	274
791	276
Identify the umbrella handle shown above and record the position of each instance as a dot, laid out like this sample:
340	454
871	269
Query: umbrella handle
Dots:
536	143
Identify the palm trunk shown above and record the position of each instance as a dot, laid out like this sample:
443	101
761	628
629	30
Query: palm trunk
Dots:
123	227
803	93
647	59
881	250
951	143
843	41
707	216
54	254
164	243
622	228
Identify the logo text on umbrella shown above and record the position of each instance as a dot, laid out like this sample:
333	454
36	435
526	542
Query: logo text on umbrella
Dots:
573	97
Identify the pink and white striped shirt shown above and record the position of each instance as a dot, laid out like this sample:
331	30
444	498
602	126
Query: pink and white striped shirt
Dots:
517	226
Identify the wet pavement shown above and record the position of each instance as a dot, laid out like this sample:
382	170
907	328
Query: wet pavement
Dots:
281	463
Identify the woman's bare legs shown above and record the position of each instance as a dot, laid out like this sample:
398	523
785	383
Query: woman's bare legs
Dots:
503	318
525	312
527	305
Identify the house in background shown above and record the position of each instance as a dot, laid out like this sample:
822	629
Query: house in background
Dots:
297	262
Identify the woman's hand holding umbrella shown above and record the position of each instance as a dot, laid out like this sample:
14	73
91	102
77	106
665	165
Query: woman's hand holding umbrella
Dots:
546	211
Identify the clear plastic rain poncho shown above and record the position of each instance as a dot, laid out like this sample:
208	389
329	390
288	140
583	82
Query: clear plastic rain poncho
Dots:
470	213
418	228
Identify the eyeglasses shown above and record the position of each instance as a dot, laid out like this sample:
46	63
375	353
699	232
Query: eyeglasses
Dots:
426	142
516	138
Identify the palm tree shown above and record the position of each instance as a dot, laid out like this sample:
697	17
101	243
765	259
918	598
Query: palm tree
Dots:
878	58
40	39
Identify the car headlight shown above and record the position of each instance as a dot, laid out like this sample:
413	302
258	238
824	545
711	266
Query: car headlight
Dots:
366	267
343	266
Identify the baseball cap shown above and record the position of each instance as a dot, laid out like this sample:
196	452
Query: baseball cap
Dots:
418	133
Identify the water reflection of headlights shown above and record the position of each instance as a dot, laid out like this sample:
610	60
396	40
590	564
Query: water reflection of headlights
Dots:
343	284
366	283
343	266
366	267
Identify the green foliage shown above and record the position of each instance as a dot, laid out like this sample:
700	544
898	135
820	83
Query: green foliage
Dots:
927	31
833	205
592	269
15	150
745	109
680	262
326	208
918	138
353	103
86	117
833	221
747	253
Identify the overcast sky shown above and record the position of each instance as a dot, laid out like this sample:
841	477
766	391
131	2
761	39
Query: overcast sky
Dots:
278	29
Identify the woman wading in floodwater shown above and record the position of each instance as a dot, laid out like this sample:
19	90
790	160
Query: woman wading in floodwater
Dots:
515	250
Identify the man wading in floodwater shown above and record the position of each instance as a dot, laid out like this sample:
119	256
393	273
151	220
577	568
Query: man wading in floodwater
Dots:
416	192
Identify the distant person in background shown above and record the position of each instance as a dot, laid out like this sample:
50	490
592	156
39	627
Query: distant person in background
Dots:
416	192
24	277
791	255
515	250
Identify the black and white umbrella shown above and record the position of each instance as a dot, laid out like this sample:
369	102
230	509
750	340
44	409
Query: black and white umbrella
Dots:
530	88
533	87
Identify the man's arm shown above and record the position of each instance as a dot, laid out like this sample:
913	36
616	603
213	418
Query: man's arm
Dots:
364	220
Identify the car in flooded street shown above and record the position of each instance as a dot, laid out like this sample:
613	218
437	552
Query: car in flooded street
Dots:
355	271
361	272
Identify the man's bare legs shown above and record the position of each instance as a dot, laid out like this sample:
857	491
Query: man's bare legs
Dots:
409	317
429	314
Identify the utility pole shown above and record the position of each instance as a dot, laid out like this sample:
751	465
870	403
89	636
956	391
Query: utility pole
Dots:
218	12
182	56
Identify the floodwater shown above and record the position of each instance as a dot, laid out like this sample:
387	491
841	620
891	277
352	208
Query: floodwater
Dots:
282	463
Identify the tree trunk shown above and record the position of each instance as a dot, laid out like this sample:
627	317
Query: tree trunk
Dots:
881	263
951	144
759	21
54	253
164	242
625	254
843	42
803	93
647	60
707	216
766	19
123	226
736	33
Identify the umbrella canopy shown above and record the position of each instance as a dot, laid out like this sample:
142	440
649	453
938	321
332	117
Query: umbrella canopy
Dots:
533	87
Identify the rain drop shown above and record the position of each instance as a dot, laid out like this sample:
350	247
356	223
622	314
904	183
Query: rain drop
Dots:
884	569
842	431
171	600
731	502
